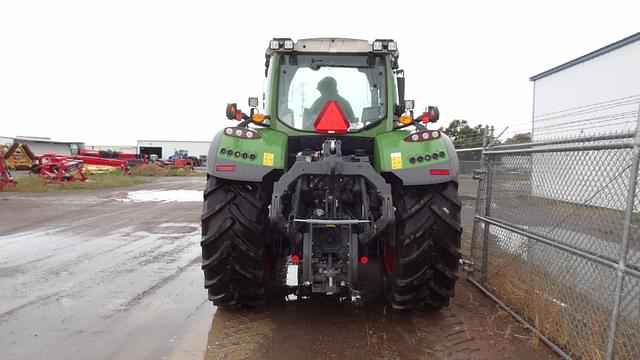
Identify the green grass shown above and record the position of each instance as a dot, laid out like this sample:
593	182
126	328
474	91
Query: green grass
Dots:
34	183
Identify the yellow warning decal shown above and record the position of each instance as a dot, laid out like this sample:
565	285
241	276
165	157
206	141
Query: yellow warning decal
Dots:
396	161
267	159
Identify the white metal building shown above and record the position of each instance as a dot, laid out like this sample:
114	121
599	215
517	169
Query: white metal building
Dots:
126	149
595	93
166	148
41	145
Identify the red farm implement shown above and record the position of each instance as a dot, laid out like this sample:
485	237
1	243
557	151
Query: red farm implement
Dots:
54	168
5	176
94	161
131	159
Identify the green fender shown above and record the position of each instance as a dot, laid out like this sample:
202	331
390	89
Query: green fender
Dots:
264	153
393	155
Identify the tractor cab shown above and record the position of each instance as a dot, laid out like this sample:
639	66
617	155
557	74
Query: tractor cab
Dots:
335	86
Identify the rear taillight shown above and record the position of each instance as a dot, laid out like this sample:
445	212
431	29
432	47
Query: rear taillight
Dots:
439	171
225	168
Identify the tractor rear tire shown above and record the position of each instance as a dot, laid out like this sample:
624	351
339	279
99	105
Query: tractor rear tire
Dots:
422	268
235	260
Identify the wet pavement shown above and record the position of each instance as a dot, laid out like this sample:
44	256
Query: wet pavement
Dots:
115	274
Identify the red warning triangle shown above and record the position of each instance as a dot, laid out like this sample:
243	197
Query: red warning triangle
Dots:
331	119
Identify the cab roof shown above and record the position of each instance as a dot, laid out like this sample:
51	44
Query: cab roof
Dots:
332	45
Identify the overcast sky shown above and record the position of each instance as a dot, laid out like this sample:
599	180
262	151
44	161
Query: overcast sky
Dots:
112	72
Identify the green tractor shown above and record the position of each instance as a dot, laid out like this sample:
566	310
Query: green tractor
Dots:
337	180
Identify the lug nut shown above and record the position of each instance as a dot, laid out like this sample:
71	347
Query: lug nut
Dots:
237	154
223	151
245	155
427	157
252	156
229	152
434	156
442	154
420	158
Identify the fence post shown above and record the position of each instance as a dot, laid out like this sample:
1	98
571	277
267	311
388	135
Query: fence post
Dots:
472	251
624	245
487	208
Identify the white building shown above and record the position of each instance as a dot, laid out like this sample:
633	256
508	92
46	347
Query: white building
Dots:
41	145
6	140
125	149
166	148
595	93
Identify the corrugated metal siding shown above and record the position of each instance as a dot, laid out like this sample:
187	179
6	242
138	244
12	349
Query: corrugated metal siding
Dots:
599	95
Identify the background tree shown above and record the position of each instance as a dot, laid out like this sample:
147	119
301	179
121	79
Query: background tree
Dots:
463	135
519	138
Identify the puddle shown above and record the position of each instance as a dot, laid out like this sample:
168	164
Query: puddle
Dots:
160	196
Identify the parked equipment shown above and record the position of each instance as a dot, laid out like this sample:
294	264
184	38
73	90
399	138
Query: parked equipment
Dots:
182	159
19	157
5	176
338	179
131	159
98	162
54	168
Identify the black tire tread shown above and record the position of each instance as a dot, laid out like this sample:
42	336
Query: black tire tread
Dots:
428	251
233	246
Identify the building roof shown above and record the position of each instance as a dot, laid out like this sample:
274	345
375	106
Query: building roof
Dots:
42	140
607	49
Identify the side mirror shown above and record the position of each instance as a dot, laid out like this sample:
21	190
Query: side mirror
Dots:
409	105
232	111
400	80
253	102
434	113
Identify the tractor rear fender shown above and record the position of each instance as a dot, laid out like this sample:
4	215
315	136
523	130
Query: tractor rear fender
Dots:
246	159
417	163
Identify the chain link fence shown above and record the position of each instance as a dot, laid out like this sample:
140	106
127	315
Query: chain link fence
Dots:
469	160
556	241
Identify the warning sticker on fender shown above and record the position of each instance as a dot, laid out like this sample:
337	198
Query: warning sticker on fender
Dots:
396	161
267	159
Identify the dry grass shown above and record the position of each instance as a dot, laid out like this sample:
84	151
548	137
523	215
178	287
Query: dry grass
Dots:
156	170
574	321
34	183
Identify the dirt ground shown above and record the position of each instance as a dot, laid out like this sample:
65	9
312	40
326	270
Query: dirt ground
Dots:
115	274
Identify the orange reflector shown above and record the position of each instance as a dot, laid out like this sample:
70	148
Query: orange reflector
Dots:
364	260
257	118
405	120
331	119
439	171
225	168
295	259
